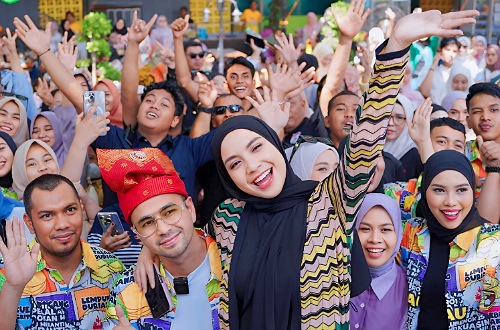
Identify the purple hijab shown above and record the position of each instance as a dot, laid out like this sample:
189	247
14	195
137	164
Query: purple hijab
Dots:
391	207
59	147
383	304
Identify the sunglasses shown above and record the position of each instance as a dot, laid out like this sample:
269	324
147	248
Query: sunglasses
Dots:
309	139
199	55
19	97
233	108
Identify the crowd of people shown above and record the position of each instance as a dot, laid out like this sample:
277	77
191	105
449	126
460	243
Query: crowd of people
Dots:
291	191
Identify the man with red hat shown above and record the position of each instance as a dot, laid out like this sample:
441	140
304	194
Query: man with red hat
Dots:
155	203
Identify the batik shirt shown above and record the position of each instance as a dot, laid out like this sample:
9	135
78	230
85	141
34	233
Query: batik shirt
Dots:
474	156
472	278
325	268
48	303
126	293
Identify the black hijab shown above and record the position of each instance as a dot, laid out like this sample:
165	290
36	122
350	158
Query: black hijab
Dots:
433	312
264	277
6	181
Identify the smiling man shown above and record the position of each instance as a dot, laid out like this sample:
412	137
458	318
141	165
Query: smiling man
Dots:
61	282
161	213
483	104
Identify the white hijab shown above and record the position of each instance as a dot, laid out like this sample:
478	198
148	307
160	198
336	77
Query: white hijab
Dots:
304	158
456	70
399	147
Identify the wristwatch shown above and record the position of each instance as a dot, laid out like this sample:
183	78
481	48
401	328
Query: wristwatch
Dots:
199	107
492	169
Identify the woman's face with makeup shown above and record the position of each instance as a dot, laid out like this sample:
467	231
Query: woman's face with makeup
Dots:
450	198
6	158
377	236
10	118
39	162
254	164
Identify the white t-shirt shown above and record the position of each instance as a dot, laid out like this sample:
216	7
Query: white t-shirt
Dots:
193	310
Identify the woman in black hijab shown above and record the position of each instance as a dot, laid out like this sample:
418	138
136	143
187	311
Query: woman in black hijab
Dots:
264	280
451	254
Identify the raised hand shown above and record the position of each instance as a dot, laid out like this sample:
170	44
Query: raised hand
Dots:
9	42
420	127
350	24
428	23
287	49
19	263
43	91
88	128
139	29
166	54
270	109
207	93
37	40
180	26
288	82
66	52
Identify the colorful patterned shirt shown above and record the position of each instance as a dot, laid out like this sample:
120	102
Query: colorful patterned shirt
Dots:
126	293
472	278
325	268
407	194
473	154
49	303
9	192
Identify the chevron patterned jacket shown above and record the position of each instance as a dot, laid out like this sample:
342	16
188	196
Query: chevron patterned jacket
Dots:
325	268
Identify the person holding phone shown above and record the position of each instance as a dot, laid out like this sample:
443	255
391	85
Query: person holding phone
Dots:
185	289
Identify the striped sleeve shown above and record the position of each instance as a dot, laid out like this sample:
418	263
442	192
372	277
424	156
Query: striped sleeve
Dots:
367	138
326	265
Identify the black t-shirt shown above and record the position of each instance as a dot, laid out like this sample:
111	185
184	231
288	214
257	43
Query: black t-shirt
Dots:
214	192
313	126
412	164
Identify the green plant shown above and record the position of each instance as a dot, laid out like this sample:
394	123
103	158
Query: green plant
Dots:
108	71
95	29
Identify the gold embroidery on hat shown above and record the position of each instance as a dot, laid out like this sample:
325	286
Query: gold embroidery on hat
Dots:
138	156
169	181
124	164
145	192
154	168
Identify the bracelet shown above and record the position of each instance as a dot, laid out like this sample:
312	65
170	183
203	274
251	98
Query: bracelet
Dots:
45	52
281	102
492	169
431	69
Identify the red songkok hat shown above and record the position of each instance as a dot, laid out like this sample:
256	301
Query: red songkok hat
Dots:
137	175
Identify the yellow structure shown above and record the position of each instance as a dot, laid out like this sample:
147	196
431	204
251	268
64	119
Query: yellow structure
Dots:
197	6
445	6
56	10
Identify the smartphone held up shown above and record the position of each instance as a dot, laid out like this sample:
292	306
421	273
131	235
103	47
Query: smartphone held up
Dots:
92	98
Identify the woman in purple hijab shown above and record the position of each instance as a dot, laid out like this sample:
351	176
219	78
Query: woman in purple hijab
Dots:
384	304
48	128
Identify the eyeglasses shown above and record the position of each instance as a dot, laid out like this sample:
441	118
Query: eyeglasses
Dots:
169	214
398	119
233	108
199	55
309	139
